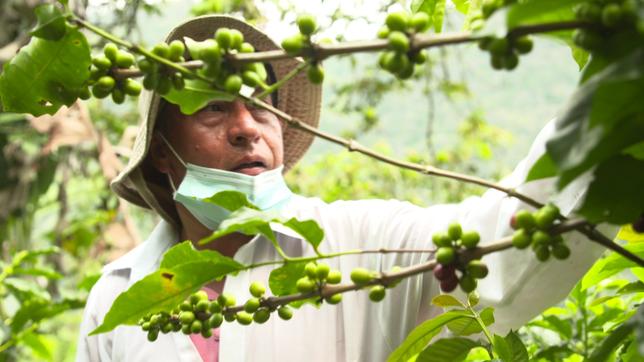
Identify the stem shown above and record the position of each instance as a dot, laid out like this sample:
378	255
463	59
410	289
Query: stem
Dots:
478	319
275	86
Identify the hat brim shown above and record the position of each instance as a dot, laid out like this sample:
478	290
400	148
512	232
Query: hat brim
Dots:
298	98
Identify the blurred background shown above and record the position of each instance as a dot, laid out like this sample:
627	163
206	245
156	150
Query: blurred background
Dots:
60	223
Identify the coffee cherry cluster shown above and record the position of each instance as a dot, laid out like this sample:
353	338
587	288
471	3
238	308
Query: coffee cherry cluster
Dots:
226	75
533	229
505	51
101	77
363	276
199	315
300	44
159	77
447	256
315	276
607	17
400	59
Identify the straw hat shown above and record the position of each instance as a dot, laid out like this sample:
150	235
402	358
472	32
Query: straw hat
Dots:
143	185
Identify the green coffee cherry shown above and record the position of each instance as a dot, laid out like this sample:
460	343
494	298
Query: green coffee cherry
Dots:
161	49
454	231
100	92
419	57
467	283
252	305
306	24
499	46
185	306
285	312
334	277
541	237
167	328
542	252
246	48
110	50
445	255
214	307
397	21
237	38
524	219
398	41
322	271
511	61
361	276
215	320
196	326
118	96
420	22
477	269
560	251
523	45
233	84
244	318
230	317
206	333
377	293
310	270
145	65
178	82
441	239
611	15
497	61
521	239
315	73
257	289
176	50
294	44
470	239
251	78
153	335
305	285
186	329
261	316
132	87
85	93
145	326
186	317
102	62
124	59
334	299
202	305
224	38
164	86
226	300
383	32
106	83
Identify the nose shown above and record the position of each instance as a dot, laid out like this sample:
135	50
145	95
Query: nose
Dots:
244	129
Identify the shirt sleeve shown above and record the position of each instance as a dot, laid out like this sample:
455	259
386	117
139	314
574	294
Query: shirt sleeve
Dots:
518	286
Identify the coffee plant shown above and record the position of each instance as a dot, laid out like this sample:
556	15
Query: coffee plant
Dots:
600	132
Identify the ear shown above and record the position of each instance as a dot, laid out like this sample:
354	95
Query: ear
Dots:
159	154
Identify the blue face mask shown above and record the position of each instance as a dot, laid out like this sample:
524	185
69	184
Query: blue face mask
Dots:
268	191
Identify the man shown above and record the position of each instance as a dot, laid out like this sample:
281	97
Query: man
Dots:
175	155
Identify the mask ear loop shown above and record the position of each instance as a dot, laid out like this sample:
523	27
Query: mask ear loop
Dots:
174	188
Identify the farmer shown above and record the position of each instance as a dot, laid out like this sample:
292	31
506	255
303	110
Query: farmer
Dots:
178	159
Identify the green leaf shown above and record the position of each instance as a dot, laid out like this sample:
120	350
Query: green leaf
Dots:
186	253
161	291
616	194
463	6
439	16
51	22
282	280
37	309
421	335
231	200
469	326
636	151
46	75
502	348
518	352
246	221
543	168
447	350
610	343
581	140
434	8
630	288
540	11
560	326
579	55
196	95
446	300
40	345
611	265
308	229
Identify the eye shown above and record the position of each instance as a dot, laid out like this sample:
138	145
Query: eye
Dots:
214	107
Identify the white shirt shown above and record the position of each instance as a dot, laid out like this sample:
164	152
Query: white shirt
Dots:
518	286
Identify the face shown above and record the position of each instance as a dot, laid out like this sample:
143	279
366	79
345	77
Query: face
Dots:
229	136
